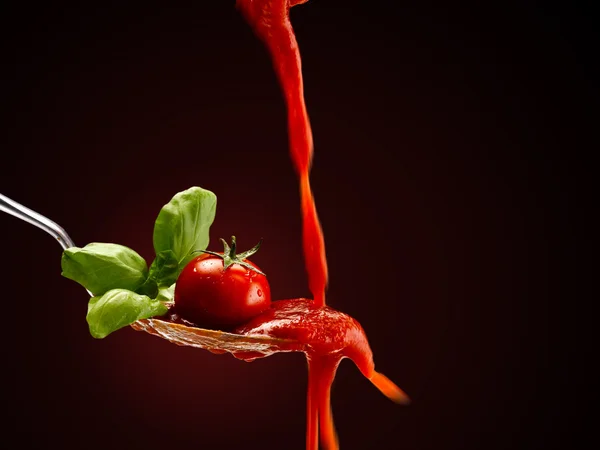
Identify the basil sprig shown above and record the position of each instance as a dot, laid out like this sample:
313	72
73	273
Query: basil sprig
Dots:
100	267
118	308
124	289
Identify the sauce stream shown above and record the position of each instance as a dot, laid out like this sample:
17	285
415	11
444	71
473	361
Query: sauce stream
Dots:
271	23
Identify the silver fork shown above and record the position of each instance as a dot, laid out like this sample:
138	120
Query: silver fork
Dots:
49	226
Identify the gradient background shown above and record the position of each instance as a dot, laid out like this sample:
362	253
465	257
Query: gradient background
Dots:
444	179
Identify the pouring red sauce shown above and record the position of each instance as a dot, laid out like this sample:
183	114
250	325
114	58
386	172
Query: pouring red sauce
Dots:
325	335
270	22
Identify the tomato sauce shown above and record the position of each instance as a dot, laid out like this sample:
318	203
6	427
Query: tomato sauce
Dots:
270	22
325	335
328	335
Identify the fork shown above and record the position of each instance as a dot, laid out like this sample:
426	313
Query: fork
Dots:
49	226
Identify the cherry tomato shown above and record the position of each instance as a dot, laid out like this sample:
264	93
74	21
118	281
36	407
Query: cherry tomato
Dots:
222	290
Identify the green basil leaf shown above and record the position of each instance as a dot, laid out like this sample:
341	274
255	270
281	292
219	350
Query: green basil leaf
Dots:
118	308
101	267
164	268
183	223
149	288
166	294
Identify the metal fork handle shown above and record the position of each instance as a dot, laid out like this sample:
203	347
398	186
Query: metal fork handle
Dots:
22	212
49	226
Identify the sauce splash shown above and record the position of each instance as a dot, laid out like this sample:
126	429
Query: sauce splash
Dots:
323	334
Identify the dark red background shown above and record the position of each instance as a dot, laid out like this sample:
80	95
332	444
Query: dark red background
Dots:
443	175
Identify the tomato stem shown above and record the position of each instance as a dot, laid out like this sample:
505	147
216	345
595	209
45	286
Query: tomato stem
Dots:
230	257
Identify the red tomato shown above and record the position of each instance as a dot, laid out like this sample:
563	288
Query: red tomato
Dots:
222	290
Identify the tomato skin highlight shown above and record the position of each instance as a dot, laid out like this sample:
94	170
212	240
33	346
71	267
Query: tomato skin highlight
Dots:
212	297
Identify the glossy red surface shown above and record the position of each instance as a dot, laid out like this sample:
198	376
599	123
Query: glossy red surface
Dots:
211	297
323	331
